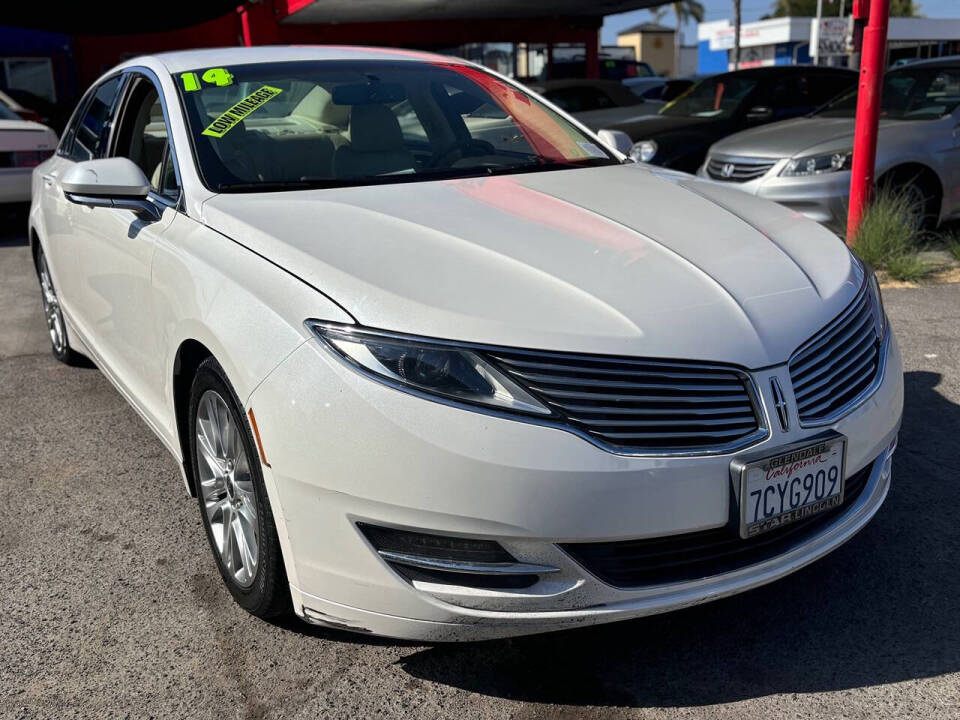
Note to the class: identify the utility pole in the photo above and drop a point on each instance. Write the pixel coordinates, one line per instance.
(872, 65)
(816, 50)
(736, 34)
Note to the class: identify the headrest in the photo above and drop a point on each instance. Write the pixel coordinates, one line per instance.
(336, 115)
(374, 128)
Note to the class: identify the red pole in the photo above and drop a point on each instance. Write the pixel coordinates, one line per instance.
(245, 33)
(593, 54)
(872, 65)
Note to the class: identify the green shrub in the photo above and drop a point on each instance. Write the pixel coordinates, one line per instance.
(888, 230)
(907, 267)
(953, 245)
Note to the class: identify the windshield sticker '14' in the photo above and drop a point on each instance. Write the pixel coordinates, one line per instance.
(232, 117)
(220, 77)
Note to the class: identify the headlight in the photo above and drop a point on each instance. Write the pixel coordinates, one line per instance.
(818, 164)
(425, 366)
(643, 151)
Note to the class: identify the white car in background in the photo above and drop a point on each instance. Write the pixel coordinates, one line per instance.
(23, 145)
(438, 386)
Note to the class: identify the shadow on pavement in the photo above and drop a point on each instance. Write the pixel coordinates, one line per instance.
(13, 224)
(884, 608)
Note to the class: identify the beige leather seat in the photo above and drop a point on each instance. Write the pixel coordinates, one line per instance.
(376, 145)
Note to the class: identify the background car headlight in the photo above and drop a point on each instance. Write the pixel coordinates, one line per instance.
(425, 366)
(644, 151)
(818, 164)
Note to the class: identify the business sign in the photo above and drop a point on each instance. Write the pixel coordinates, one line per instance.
(831, 36)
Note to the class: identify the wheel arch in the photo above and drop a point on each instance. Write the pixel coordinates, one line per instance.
(912, 169)
(35, 247)
(190, 354)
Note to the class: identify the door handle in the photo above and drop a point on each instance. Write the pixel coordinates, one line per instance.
(48, 179)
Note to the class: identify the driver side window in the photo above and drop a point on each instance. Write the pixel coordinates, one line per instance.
(142, 136)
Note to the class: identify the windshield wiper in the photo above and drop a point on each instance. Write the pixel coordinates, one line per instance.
(266, 186)
(315, 183)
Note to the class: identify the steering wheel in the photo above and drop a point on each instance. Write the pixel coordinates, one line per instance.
(466, 148)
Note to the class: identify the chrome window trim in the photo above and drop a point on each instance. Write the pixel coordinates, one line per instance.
(881, 361)
(153, 78)
(553, 421)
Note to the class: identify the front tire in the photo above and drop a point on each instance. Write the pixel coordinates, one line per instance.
(234, 506)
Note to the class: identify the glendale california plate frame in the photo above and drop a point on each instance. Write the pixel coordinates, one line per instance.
(739, 466)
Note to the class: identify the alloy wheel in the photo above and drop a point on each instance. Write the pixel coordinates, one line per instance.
(227, 488)
(51, 309)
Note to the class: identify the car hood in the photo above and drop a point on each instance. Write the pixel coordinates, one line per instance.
(608, 117)
(622, 259)
(651, 127)
(791, 137)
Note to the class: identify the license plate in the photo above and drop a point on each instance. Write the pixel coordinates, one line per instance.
(791, 486)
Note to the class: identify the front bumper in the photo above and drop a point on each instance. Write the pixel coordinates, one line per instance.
(822, 198)
(343, 449)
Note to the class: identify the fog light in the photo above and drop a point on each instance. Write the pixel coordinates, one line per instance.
(444, 560)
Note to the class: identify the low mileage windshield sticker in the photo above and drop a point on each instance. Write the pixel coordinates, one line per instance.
(232, 117)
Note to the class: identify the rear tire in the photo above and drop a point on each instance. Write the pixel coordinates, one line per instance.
(53, 315)
(234, 506)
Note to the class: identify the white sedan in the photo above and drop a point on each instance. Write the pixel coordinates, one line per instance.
(23, 145)
(436, 381)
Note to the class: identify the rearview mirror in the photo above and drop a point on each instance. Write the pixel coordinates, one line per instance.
(616, 139)
(111, 182)
(374, 93)
(760, 113)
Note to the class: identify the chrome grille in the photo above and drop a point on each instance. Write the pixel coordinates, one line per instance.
(839, 364)
(739, 169)
(640, 405)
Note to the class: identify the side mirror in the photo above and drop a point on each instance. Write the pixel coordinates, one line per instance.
(616, 139)
(111, 182)
(760, 113)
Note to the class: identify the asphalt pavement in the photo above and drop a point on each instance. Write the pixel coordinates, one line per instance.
(111, 605)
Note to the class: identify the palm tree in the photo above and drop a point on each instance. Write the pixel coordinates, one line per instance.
(685, 11)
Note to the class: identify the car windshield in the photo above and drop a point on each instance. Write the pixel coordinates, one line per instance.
(908, 94)
(719, 97)
(289, 125)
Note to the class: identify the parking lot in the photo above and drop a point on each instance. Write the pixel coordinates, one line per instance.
(112, 605)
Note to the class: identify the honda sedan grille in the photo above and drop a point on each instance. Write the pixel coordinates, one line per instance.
(636, 405)
(739, 170)
(839, 364)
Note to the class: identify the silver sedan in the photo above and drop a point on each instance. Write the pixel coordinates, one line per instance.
(805, 163)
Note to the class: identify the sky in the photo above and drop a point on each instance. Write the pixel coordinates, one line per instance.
(752, 10)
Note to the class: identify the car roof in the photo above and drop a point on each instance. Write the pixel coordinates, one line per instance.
(764, 72)
(579, 82)
(183, 60)
(949, 61)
